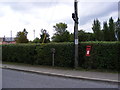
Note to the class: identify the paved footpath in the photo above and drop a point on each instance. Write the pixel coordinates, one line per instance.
(86, 75)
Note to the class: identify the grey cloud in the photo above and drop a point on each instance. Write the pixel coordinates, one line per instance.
(111, 8)
(26, 6)
(66, 20)
(16, 6)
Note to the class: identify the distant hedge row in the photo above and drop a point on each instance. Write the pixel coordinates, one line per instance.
(104, 55)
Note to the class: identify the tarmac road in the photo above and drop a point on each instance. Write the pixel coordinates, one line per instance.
(19, 79)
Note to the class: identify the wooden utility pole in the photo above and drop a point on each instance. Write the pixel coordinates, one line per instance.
(75, 18)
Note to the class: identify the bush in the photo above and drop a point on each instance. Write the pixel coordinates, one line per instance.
(21, 53)
(63, 54)
(103, 55)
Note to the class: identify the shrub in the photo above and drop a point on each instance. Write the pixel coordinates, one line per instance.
(63, 54)
(103, 55)
(22, 53)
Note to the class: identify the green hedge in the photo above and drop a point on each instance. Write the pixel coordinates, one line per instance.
(64, 54)
(21, 53)
(104, 55)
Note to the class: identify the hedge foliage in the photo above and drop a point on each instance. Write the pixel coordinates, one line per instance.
(20, 53)
(104, 55)
(63, 54)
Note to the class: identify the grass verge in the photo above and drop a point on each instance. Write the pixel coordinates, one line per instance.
(62, 68)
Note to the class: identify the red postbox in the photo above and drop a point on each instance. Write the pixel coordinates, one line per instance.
(88, 48)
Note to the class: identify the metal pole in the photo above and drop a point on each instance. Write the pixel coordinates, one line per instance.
(76, 34)
(34, 33)
(11, 35)
(53, 60)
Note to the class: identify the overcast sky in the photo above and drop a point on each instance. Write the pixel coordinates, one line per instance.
(35, 15)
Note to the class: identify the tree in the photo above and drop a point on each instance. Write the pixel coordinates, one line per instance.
(117, 31)
(36, 40)
(22, 37)
(112, 29)
(61, 35)
(65, 37)
(60, 28)
(106, 32)
(83, 36)
(97, 30)
(90, 36)
(71, 37)
(44, 36)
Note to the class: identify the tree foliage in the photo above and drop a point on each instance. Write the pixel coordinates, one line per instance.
(60, 28)
(97, 30)
(22, 37)
(36, 40)
(106, 31)
(83, 36)
(61, 34)
(44, 36)
(112, 29)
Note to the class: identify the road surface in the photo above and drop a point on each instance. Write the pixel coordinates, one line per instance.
(19, 79)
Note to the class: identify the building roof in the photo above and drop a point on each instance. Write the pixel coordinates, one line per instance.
(8, 39)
